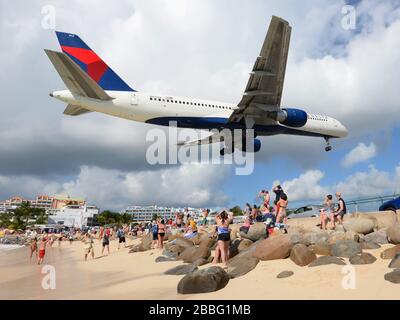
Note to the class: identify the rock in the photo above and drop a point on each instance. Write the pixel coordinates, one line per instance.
(176, 247)
(322, 249)
(182, 269)
(164, 259)
(243, 263)
(345, 248)
(205, 280)
(285, 274)
(379, 237)
(296, 238)
(191, 254)
(336, 236)
(234, 230)
(385, 218)
(200, 262)
(301, 255)
(277, 247)
(369, 245)
(390, 253)
(324, 260)
(393, 276)
(360, 224)
(257, 231)
(146, 241)
(238, 245)
(393, 233)
(363, 258)
(395, 263)
(170, 254)
(315, 237)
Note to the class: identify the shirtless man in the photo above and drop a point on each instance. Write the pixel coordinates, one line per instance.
(42, 249)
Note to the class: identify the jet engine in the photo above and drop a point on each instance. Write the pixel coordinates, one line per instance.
(290, 117)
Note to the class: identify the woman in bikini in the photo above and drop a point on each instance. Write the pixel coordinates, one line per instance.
(282, 205)
(33, 248)
(223, 220)
(161, 233)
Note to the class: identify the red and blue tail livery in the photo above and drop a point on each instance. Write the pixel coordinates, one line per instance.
(91, 63)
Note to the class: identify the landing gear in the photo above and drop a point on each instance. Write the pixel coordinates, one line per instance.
(328, 145)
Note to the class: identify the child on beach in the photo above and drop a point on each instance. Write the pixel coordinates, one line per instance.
(33, 248)
(42, 249)
(88, 246)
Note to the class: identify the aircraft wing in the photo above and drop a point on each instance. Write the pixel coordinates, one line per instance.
(75, 79)
(264, 88)
(214, 137)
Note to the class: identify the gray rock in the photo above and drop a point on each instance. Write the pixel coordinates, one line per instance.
(379, 237)
(164, 259)
(360, 225)
(324, 260)
(369, 245)
(170, 254)
(285, 274)
(205, 280)
(276, 247)
(315, 237)
(393, 276)
(256, 232)
(182, 269)
(243, 263)
(393, 233)
(302, 255)
(322, 249)
(395, 263)
(345, 248)
(239, 245)
(191, 254)
(363, 258)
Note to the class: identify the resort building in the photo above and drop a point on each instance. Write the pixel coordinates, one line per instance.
(42, 202)
(146, 213)
(73, 215)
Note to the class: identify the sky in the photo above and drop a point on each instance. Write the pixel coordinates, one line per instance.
(203, 49)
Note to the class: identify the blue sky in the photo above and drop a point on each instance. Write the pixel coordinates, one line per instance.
(201, 49)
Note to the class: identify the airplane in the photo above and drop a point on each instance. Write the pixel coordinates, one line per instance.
(94, 87)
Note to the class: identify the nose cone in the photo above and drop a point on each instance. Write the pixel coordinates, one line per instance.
(343, 131)
(51, 94)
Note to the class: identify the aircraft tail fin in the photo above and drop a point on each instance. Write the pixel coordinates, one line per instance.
(90, 62)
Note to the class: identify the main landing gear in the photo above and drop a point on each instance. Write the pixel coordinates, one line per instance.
(328, 145)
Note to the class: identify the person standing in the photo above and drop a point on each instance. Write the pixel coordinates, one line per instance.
(278, 192)
(161, 233)
(282, 206)
(223, 220)
(340, 211)
(121, 237)
(106, 243)
(154, 231)
(326, 210)
(33, 248)
(88, 246)
(42, 248)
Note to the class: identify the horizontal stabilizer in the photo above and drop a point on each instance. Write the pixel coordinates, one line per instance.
(76, 80)
(73, 110)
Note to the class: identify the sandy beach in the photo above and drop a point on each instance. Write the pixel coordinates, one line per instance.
(123, 275)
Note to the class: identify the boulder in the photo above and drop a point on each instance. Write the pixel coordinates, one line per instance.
(324, 260)
(182, 269)
(302, 255)
(257, 231)
(395, 263)
(234, 230)
(384, 219)
(277, 247)
(170, 254)
(315, 237)
(393, 233)
(238, 245)
(164, 259)
(363, 258)
(379, 237)
(285, 274)
(345, 248)
(369, 245)
(200, 262)
(336, 236)
(147, 241)
(390, 253)
(243, 262)
(360, 225)
(205, 280)
(193, 253)
(177, 246)
(393, 276)
(322, 249)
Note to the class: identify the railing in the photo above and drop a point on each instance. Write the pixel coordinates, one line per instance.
(379, 199)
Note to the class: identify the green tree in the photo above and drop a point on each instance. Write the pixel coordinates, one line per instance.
(6, 219)
(126, 218)
(109, 217)
(237, 211)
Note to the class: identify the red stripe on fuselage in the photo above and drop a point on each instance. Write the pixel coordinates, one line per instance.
(95, 66)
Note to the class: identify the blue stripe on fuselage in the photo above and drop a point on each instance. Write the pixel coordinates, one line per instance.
(220, 123)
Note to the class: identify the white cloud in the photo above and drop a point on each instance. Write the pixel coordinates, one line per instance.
(360, 153)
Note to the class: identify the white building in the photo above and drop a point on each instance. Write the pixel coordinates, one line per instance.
(146, 213)
(73, 215)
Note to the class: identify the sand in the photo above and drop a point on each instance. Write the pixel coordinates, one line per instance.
(123, 275)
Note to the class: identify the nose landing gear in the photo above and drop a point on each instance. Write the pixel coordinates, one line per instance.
(328, 145)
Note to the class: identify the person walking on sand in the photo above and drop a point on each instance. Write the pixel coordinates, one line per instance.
(161, 233)
(121, 237)
(88, 246)
(33, 248)
(106, 243)
(42, 248)
(223, 220)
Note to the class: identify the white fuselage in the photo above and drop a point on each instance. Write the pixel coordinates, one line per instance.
(198, 113)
